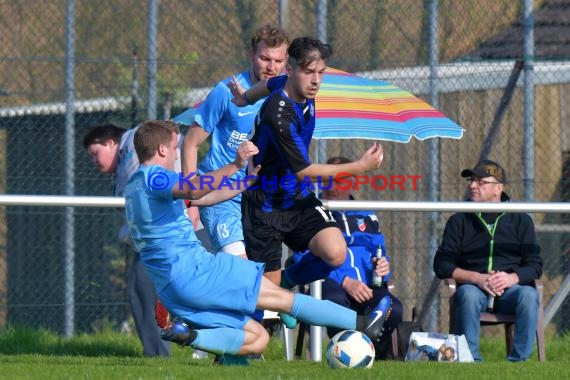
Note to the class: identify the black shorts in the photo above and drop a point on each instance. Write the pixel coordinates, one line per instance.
(264, 232)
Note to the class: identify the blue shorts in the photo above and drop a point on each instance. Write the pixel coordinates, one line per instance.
(220, 291)
(223, 222)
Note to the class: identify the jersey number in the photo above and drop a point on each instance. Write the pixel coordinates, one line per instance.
(326, 214)
(223, 232)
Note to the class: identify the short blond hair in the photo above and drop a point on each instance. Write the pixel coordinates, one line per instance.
(272, 35)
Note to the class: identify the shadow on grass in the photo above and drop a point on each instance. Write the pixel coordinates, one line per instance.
(17, 341)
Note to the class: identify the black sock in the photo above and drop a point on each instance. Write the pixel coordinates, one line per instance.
(361, 322)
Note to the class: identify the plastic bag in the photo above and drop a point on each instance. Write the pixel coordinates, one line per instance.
(426, 346)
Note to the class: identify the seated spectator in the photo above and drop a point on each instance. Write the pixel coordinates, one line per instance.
(350, 285)
(494, 258)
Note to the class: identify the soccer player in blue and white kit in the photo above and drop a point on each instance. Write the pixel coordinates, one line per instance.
(283, 208)
(229, 126)
(215, 294)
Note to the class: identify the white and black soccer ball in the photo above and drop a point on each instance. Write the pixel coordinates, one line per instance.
(350, 349)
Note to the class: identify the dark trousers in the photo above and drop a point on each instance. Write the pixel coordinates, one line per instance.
(142, 298)
(332, 291)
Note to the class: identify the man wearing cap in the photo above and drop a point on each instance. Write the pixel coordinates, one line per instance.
(492, 257)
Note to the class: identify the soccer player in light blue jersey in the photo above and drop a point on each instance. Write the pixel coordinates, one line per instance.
(228, 126)
(215, 294)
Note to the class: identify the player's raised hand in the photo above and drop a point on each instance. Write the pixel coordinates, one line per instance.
(373, 157)
(237, 92)
(246, 150)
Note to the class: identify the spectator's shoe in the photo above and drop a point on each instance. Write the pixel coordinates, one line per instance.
(178, 332)
(288, 320)
(375, 321)
(229, 359)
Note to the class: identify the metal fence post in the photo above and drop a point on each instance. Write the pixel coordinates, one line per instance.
(69, 240)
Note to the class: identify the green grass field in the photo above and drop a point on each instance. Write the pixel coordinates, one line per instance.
(32, 354)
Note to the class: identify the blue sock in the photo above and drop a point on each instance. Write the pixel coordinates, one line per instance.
(317, 312)
(219, 340)
(310, 268)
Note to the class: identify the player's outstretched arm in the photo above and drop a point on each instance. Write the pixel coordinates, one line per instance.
(242, 97)
(194, 138)
(194, 187)
(230, 191)
(370, 160)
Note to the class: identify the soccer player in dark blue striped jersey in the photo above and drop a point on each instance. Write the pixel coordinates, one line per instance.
(281, 206)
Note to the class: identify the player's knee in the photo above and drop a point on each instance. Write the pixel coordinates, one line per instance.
(337, 257)
(261, 341)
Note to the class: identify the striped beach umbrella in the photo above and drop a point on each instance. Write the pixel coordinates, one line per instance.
(353, 107)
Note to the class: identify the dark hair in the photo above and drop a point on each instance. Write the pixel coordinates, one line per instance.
(272, 35)
(102, 133)
(150, 135)
(336, 160)
(305, 50)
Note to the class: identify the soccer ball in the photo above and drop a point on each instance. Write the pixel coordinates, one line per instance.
(350, 349)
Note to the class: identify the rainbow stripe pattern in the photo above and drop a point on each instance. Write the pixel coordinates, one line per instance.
(349, 106)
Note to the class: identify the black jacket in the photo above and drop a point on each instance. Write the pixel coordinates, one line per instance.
(466, 244)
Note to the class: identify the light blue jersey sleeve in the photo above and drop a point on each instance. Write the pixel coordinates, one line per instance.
(227, 124)
(211, 111)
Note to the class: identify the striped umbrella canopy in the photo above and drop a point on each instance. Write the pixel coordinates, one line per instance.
(353, 107)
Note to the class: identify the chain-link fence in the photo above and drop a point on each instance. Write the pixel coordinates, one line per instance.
(125, 60)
